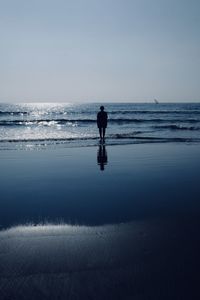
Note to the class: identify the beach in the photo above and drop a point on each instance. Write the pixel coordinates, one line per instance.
(71, 229)
(99, 150)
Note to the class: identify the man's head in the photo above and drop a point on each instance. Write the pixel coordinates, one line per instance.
(102, 108)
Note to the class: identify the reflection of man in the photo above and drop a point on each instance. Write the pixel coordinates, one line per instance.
(102, 158)
(102, 118)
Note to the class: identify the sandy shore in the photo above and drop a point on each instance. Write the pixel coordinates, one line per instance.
(148, 195)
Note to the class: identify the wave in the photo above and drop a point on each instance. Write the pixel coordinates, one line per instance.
(126, 136)
(177, 127)
(13, 113)
(114, 112)
(47, 122)
(151, 120)
(168, 112)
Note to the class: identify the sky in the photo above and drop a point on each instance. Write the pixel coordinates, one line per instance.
(99, 50)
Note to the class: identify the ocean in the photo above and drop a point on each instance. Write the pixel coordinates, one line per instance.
(33, 125)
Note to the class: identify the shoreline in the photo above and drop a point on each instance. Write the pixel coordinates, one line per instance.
(52, 143)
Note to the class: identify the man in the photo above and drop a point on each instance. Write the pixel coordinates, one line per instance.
(102, 118)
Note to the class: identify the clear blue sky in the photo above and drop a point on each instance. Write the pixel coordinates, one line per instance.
(99, 50)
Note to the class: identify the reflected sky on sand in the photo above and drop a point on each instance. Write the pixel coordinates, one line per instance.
(139, 182)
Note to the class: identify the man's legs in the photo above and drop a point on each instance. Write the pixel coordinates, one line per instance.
(100, 132)
(104, 132)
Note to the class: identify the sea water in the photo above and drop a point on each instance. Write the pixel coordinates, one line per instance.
(42, 124)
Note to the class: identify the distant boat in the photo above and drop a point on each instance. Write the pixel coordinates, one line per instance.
(156, 101)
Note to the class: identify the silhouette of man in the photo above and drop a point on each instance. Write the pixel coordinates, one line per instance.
(102, 118)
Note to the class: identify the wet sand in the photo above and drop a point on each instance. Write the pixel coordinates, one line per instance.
(72, 231)
(138, 260)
